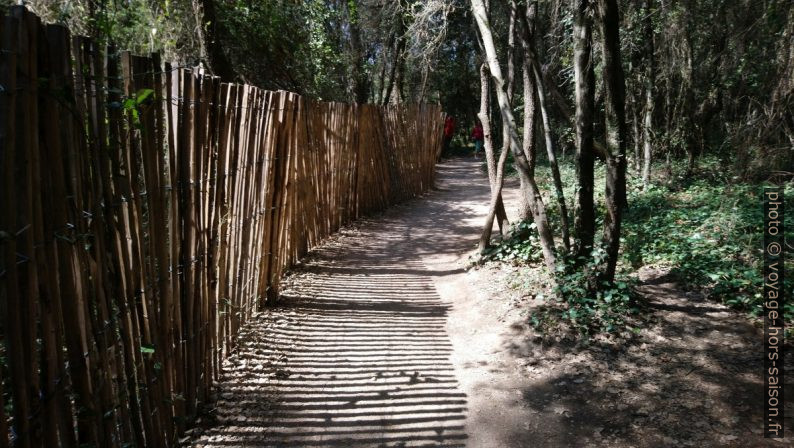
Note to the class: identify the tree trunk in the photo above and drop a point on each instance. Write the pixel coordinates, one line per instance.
(689, 95)
(530, 54)
(525, 209)
(382, 80)
(649, 86)
(549, 139)
(400, 81)
(485, 119)
(522, 165)
(219, 64)
(496, 201)
(615, 114)
(398, 49)
(511, 45)
(584, 209)
(636, 131)
(529, 143)
(492, 166)
(534, 199)
(360, 79)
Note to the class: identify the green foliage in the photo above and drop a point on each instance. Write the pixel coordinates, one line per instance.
(522, 247)
(590, 307)
(585, 306)
(134, 104)
(706, 229)
(141, 26)
(147, 349)
(709, 234)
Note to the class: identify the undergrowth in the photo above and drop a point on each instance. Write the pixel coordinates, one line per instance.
(706, 229)
(710, 236)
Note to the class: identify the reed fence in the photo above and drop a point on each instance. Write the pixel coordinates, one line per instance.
(147, 211)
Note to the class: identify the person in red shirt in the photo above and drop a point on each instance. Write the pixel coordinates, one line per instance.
(478, 137)
(449, 131)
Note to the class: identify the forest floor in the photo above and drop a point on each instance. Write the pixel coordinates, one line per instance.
(386, 337)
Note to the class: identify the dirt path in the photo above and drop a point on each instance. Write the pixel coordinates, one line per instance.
(384, 339)
(359, 353)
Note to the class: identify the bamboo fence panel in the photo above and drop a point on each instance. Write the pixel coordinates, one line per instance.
(148, 211)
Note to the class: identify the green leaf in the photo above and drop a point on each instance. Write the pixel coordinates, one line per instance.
(142, 95)
(147, 349)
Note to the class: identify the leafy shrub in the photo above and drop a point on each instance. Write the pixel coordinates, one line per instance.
(709, 234)
(522, 247)
(707, 229)
(594, 308)
(586, 307)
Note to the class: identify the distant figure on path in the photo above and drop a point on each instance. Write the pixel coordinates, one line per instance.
(478, 137)
(449, 131)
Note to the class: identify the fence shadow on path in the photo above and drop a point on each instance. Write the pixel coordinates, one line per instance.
(365, 363)
(356, 353)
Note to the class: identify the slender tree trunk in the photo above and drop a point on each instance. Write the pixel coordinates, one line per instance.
(423, 88)
(615, 95)
(485, 120)
(398, 49)
(584, 79)
(522, 165)
(525, 210)
(649, 86)
(550, 152)
(534, 199)
(636, 131)
(496, 196)
(495, 170)
(400, 82)
(511, 45)
(530, 54)
(689, 94)
(382, 83)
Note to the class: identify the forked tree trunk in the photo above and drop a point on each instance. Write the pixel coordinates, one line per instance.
(584, 76)
(522, 165)
(382, 79)
(496, 196)
(615, 92)
(398, 49)
(485, 114)
(490, 160)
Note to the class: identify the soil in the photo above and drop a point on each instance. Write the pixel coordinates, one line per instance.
(387, 337)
